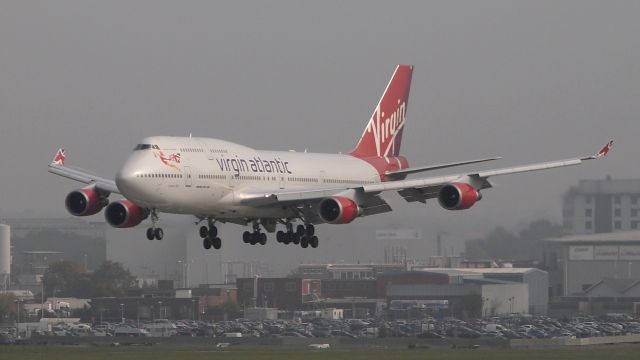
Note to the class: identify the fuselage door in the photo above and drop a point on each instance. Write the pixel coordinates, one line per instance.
(187, 176)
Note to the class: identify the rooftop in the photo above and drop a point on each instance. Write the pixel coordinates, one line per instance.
(615, 237)
(480, 271)
(607, 186)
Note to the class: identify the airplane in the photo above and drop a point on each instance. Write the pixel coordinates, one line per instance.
(223, 182)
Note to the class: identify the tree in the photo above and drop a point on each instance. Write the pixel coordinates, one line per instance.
(62, 277)
(503, 244)
(67, 278)
(7, 307)
(111, 279)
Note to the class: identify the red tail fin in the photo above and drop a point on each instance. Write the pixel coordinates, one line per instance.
(383, 134)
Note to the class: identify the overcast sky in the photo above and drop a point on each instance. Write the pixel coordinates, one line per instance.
(526, 80)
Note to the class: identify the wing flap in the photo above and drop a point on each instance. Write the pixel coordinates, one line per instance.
(265, 197)
(414, 170)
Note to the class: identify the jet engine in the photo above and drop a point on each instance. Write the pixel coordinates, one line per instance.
(124, 214)
(86, 201)
(458, 196)
(338, 210)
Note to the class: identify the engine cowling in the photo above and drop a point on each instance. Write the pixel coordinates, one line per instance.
(338, 210)
(124, 214)
(86, 201)
(458, 196)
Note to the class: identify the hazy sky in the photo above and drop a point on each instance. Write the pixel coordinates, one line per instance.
(526, 80)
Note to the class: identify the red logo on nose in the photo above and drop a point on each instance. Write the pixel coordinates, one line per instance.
(170, 160)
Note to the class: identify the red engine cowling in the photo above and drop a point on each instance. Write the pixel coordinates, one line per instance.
(458, 196)
(86, 201)
(338, 210)
(124, 214)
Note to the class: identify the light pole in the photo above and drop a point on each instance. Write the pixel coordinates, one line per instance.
(181, 268)
(18, 308)
(18, 323)
(484, 307)
(122, 312)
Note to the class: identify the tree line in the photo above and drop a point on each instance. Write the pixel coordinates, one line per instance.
(503, 244)
(70, 279)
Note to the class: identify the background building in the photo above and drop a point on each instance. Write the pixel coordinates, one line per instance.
(347, 271)
(536, 281)
(601, 206)
(578, 262)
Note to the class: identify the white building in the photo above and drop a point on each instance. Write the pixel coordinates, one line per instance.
(601, 206)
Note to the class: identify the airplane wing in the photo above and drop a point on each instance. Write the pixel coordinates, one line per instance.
(414, 170)
(411, 190)
(58, 167)
(426, 188)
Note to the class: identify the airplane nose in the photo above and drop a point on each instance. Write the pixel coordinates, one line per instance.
(125, 179)
(127, 176)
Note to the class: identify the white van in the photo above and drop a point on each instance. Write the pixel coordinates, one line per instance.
(495, 327)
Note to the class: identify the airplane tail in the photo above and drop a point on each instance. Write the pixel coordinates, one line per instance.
(383, 134)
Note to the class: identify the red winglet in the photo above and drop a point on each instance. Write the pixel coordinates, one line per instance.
(59, 158)
(604, 151)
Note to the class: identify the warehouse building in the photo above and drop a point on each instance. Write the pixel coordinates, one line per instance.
(578, 262)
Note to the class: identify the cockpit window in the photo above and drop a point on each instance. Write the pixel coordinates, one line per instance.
(146, 146)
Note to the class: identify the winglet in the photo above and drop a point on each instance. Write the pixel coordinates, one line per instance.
(59, 158)
(603, 152)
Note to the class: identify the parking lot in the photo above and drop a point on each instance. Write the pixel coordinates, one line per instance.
(516, 326)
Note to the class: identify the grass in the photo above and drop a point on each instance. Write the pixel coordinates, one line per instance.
(182, 353)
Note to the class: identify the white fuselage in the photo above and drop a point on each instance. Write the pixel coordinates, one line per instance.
(203, 176)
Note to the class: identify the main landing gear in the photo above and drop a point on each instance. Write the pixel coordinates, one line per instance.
(209, 236)
(154, 232)
(304, 235)
(256, 237)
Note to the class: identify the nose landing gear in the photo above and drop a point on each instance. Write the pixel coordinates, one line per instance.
(154, 232)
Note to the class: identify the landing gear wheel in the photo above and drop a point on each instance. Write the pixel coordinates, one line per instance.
(206, 243)
(313, 241)
(295, 238)
(263, 238)
(150, 234)
(287, 238)
(217, 243)
(204, 232)
(280, 236)
(304, 242)
(246, 237)
(159, 233)
(311, 230)
(300, 230)
(213, 231)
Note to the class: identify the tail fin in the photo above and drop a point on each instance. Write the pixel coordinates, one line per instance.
(383, 134)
